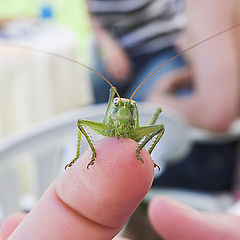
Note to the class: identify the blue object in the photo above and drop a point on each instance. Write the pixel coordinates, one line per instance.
(46, 12)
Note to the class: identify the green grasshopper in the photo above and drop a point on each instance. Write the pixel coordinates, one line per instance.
(121, 120)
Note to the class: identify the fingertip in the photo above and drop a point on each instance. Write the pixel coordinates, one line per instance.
(122, 157)
(164, 208)
(156, 210)
(117, 180)
(165, 205)
(167, 217)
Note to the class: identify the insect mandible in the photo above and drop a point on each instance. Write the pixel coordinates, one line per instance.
(121, 118)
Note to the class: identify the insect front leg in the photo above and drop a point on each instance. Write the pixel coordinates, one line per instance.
(110, 101)
(155, 117)
(97, 127)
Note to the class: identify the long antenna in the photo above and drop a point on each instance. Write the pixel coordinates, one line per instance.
(62, 57)
(182, 53)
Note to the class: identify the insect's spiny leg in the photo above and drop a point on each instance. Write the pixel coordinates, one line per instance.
(110, 101)
(156, 140)
(158, 132)
(155, 117)
(80, 123)
(78, 151)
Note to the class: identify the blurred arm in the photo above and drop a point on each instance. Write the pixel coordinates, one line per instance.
(101, 35)
(116, 60)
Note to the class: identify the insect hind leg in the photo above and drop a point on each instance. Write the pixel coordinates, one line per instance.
(158, 132)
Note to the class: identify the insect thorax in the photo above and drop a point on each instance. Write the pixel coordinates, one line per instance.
(123, 115)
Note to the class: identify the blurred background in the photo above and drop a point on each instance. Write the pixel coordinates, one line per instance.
(42, 95)
(53, 26)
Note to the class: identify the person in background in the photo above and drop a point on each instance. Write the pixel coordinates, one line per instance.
(131, 39)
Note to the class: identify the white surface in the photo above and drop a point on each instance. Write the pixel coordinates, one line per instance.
(235, 209)
(34, 86)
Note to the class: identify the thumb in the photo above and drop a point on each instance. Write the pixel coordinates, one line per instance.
(91, 203)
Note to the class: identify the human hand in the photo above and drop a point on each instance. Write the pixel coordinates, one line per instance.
(170, 84)
(89, 203)
(173, 220)
(116, 60)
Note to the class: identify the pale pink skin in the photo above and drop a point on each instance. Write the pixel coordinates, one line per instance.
(92, 203)
(173, 220)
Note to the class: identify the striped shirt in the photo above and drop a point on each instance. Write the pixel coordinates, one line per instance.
(140, 26)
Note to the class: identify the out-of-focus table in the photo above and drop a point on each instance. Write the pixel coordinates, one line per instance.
(35, 86)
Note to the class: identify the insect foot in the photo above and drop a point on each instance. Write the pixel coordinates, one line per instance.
(71, 163)
(138, 155)
(157, 166)
(140, 159)
(67, 166)
(90, 163)
(92, 160)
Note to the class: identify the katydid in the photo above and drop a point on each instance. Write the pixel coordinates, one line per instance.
(121, 118)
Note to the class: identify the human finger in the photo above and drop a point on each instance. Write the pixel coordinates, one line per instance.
(91, 203)
(173, 220)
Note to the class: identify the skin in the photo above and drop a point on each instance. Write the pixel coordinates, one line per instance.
(165, 215)
(212, 69)
(91, 203)
(173, 220)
